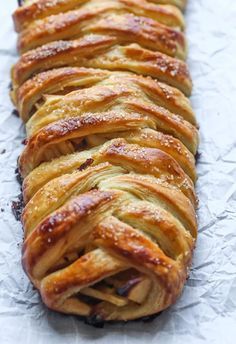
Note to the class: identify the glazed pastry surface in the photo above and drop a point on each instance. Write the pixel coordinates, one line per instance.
(108, 168)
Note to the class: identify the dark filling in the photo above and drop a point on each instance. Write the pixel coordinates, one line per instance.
(20, 3)
(17, 207)
(125, 289)
(15, 113)
(18, 176)
(197, 157)
(80, 145)
(86, 164)
(88, 299)
(95, 320)
(149, 318)
(24, 142)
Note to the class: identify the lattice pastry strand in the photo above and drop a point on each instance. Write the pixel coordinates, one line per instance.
(108, 168)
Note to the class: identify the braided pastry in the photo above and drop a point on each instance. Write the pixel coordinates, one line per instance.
(108, 169)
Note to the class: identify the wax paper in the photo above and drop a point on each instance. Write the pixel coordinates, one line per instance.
(206, 311)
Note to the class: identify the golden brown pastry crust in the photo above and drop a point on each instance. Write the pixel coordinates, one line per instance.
(63, 80)
(108, 56)
(108, 168)
(169, 15)
(124, 28)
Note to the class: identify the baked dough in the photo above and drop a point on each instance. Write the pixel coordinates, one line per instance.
(108, 168)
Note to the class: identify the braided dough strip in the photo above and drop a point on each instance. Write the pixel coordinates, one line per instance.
(26, 15)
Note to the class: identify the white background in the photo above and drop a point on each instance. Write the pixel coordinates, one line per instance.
(206, 312)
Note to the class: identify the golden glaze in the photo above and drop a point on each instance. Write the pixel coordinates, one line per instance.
(26, 15)
(108, 168)
(81, 52)
(103, 19)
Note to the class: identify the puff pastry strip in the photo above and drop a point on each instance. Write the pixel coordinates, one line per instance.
(24, 16)
(108, 56)
(124, 27)
(108, 168)
(63, 80)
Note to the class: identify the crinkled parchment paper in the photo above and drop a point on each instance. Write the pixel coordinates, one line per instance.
(206, 311)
